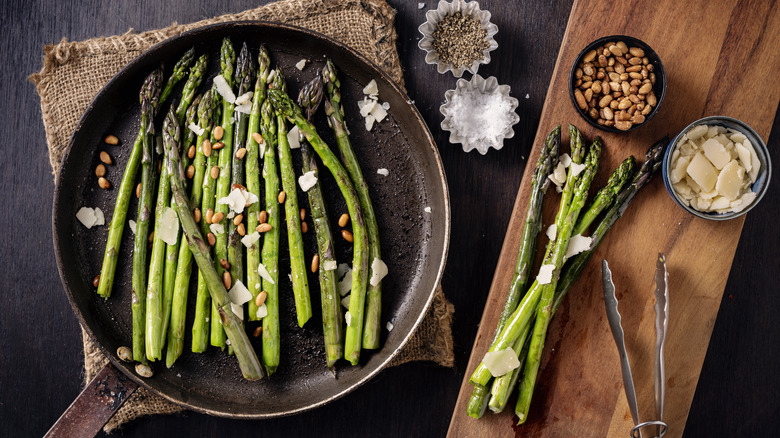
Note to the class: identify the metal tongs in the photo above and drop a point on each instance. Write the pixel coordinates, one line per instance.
(661, 322)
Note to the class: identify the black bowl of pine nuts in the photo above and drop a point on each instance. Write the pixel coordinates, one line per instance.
(617, 83)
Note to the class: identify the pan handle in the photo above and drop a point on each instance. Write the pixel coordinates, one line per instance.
(96, 404)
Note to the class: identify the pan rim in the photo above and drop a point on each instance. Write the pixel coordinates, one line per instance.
(59, 192)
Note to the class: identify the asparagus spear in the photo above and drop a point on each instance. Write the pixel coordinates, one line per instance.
(172, 251)
(300, 281)
(179, 70)
(184, 261)
(548, 158)
(354, 317)
(608, 193)
(150, 92)
(309, 99)
(270, 254)
(117, 226)
(247, 359)
(244, 77)
(335, 112)
(253, 177)
(227, 59)
(544, 308)
(201, 326)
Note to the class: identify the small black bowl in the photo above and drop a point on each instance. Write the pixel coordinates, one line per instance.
(660, 78)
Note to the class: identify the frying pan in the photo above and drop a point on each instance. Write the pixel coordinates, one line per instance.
(414, 238)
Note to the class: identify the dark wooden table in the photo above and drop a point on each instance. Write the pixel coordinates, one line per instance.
(41, 363)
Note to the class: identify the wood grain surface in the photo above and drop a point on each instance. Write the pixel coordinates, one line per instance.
(41, 363)
(580, 391)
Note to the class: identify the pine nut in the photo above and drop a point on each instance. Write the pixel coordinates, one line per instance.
(206, 146)
(343, 220)
(580, 99)
(212, 240)
(224, 263)
(191, 152)
(241, 230)
(227, 280)
(315, 263)
(257, 138)
(240, 153)
(217, 218)
(124, 354)
(96, 281)
(196, 214)
(263, 228)
(100, 170)
(262, 217)
(237, 186)
(304, 227)
(209, 216)
(258, 331)
(151, 236)
(138, 190)
(103, 183)
(281, 197)
(105, 158)
(215, 172)
(112, 140)
(144, 370)
(303, 214)
(590, 56)
(347, 236)
(238, 219)
(190, 171)
(218, 145)
(218, 133)
(260, 298)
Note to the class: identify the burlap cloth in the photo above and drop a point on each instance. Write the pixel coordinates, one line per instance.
(74, 72)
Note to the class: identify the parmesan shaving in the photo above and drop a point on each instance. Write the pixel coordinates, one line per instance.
(263, 272)
(245, 108)
(238, 310)
(217, 229)
(100, 219)
(342, 270)
(378, 271)
(224, 89)
(250, 239)
(427, 209)
(348, 318)
(196, 129)
(293, 137)
(245, 98)
(307, 180)
(131, 223)
(86, 216)
(345, 285)
(389, 326)
(300, 64)
(262, 311)
(345, 301)
(328, 265)
(552, 231)
(545, 274)
(577, 244)
(576, 169)
(565, 159)
(239, 294)
(501, 362)
(169, 226)
(383, 171)
(371, 88)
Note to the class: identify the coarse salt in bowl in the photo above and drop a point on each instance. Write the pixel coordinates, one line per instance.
(436, 16)
(479, 114)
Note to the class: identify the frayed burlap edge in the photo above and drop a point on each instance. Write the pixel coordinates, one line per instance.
(433, 339)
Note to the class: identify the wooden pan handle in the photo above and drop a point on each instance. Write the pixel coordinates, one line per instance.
(96, 404)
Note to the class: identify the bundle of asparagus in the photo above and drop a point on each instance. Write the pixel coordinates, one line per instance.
(523, 323)
(214, 143)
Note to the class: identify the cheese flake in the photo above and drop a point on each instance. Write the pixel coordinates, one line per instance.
(245, 98)
(300, 64)
(348, 318)
(501, 362)
(328, 265)
(383, 171)
(565, 159)
(293, 137)
(378, 271)
(545, 274)
(196, 129)
(345, 301)
(169, 226)
(307, 180)
(245, 108)
(131, 223)
(371, 88)
(86, 216)
(345, 285)
(238, 310)
(263, 272)
(250, 239)
(576, 169)
(239, 294)
(217, 229)
(552, 231)
(100, 219)
(262, 311)
(389, 326)
(427, 209)
(224, 89)
(577, 244)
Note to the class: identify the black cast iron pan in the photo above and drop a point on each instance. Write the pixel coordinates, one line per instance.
(414, 241)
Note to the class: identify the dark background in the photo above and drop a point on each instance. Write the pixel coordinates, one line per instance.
(41, 362)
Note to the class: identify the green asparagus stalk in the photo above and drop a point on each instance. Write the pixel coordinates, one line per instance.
(247, 359)
(544, 308)
(335, 112)
(126, 187)
(309, 99)
(354, 317)
(300, 281)
(253, 178)
(179, 70)
(270, 254)
(201, 326)
(244, 78)
(608, 193)
(149, 95)
(227, 59)
(172, 251)
(184, 256)
(502, 385)
(548, 157)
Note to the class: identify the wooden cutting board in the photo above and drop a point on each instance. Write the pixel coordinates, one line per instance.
(721, 58)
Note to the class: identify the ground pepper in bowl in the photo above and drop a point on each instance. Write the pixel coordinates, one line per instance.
(460, 39)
